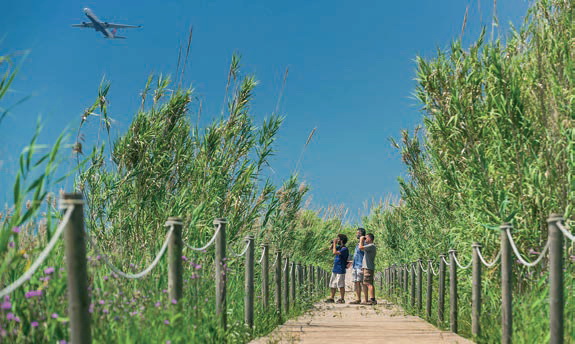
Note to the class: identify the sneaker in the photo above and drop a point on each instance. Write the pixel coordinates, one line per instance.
(329, 301)
(356, 302)
(373, 301)
(340, 301)
(369, 303)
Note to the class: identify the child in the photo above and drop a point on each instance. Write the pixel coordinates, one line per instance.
(337, 280)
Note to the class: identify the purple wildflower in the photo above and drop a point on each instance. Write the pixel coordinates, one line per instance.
(101, 302)
(10, 316)
(167, 322)
(164, 291)
(533, 252)
(54, 315)
(6, 305)
(16, 230)
(11, 244)
(158, 304)
(184, 258)
(62, 342)
(106, 278)
(49, 270)
(105, 311)
(198, 267)
(174, 301)
(33, 293)
(34, 324)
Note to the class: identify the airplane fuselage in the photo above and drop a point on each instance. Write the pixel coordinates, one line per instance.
(97, 23)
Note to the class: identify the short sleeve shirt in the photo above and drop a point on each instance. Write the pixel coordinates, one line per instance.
(357, 258)
(340, 260)
(369, 251)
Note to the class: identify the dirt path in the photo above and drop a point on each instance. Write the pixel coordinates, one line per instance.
(345, 323)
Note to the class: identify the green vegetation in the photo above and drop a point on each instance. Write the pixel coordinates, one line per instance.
(498, 145)
(163, 166)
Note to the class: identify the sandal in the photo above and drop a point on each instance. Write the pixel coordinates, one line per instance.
(340, 301)
(329, 301)
(356, 302)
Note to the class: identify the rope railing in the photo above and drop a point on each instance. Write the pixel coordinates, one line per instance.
(42, 256)
(275, 261)
(421, 267)
(554, 249)
(77, 237)
(518, 254)
(435, 273)
(262, 257)
(459, 264)
(565, 231)
(140, 274)
(482, 259)
(206, 246)
(237, 255)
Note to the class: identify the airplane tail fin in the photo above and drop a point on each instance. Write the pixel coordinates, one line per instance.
(114, 33)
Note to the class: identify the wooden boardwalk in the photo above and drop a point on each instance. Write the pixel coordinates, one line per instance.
(345, 323)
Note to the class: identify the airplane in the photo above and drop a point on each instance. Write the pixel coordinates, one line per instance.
(103, 27)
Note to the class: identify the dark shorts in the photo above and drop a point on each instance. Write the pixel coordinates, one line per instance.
(367, 276)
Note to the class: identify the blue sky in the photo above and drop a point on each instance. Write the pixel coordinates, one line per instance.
(351, 70)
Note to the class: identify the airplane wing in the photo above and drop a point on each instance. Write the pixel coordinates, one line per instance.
(90, 25)
(119, 26)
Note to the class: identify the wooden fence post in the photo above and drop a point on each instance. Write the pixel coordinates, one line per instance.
(175, 269)
(278, 281)
(506, 284)
(220, 263)
(401, 272)
(476, 292)
(265, 277)
(555, 238)
(412, 285)
(419, 285)
(312, 279)
(389, 280)
(286, 285)
(249, 284)
(429, 288)
(305, 284)
(395, 279)
(405, 282)
(300, 280)
(441, 288)
(293, 283)
(452, 291)
(75, 248)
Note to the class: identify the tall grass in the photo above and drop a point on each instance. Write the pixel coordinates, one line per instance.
(497, 145)
(163, 165)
